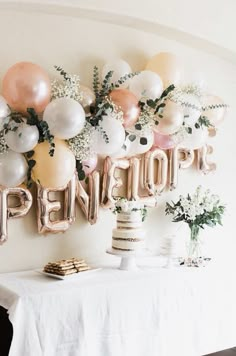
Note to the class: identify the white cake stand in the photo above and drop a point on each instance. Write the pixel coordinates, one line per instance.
(128, 258)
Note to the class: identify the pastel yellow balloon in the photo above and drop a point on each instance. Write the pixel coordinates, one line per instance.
(56, 171)
(167, 66)
(173, 116)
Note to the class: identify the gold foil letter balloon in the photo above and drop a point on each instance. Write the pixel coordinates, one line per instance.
(7, 212)
(155, 187)
(202, 159)
(53, 172)
(178, 158)
(26, 85)
(46, 206)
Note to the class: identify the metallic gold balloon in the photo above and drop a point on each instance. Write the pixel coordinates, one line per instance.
(94, 195)
(69, 202)
(167, 66)
(133, 179)
(45, 206)
(88, 98)
(83, 198)
(155, 187)
(110, 181)
(7, 212)
(172, 120)
(128, 103)
(26, 85)
(178, 158)
(202, 159)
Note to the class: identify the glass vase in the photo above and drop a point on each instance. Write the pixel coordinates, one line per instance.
(194, 251)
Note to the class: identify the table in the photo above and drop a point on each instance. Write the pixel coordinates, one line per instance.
(153, 311)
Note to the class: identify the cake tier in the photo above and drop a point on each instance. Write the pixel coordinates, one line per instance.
(129, 233)
(128, 244)
(129, 220)
(128, 240)
(133, 216)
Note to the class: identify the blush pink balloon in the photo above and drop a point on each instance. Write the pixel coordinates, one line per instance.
(164, 142)
(26, 85)
(128, 104)
(90, 164)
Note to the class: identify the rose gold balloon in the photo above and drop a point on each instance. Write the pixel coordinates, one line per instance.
(164, 142)
(26, 85)
(214, 109)
(172, 119)
(128, 104)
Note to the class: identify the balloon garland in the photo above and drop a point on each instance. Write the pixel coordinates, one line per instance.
(49, 130)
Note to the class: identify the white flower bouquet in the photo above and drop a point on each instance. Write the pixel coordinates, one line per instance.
(198, 210)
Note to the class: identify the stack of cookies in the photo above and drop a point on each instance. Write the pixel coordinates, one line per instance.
(66, 267)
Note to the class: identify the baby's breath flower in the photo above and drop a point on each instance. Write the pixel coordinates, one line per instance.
(3, 144)
(81, 144)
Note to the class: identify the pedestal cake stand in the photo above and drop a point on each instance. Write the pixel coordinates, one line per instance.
(128, 258)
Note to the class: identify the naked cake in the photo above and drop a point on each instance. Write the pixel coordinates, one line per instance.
(129, 234)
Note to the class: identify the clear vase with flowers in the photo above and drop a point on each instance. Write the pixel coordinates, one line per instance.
(197, 210)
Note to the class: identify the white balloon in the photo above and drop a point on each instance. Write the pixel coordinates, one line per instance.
(4, 111)
(146, 84)
(115, 133)
(192, 108)
(13, 169)
(136, 148)
(196, 139)
(119, 67)
(24, 139)
(65, 117)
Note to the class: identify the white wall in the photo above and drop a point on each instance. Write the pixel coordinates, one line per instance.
(77, 43)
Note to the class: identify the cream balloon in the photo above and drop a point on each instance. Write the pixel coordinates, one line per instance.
(56, 171)
(24, 139)
(196, 139)
(13, 169)
(167, 66)
(4, 111)
(65, 117)
(115, 133)
(172, 119)
(146, 84)
(214, 109)
(88, 97)
(119, 68)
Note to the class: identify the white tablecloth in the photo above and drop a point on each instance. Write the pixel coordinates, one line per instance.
(153, 311)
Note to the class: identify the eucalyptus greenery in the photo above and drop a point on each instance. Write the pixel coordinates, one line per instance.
(13, 122)
(102, 104)
(151, 114)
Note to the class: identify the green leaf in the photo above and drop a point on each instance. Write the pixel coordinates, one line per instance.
(138, 127)
(143, 141)
(132, 138)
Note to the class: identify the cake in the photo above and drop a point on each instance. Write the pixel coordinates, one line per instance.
(128, 234)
